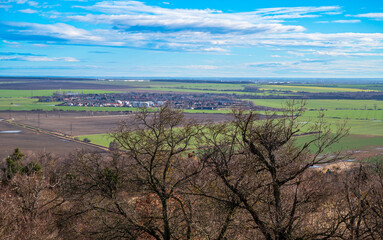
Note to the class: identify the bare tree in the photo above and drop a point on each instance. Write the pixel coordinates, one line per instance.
(158, 147)
(136, 193)
(259, 163)
(358, 203)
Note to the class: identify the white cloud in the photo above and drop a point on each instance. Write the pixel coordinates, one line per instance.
(17, 1)
(300, 54)
(9, 42)
(137, 16)
(58, 30)
(340, 21)
(40, 45)
(215, 49)
(347, 54)
(33, 3)
(38, 59)
(199, 41)
(370, 15)
(297, 12)
(318, 67)
(347, 21)
(137, 25)
(201, 67)
(6, 7)
(28, 10)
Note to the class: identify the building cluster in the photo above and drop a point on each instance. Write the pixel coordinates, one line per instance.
(205, 101)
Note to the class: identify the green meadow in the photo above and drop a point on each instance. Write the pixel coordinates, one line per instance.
(376, 87)
(33, 93)
(99, 139)
(29, 104)
(324, 103)
(350, 142)
(364, 117)
(314, 89)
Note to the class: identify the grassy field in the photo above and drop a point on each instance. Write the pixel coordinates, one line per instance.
(376, 115)
(99, 139)
(217, 87)
(324, 103)
(32, 93)
(376, 87)
(216, 91)
(365, 117)
(28, 104)
(318, 89)
(350, 142)
(239, 88)
(178, 85)
(357, 127)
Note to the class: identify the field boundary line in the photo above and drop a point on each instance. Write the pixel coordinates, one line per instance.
(55, 134)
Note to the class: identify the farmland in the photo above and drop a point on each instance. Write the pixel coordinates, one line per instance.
(32, 142)
(364, 117)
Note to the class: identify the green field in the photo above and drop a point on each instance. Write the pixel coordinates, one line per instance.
(362, 134)
(377, 87)
(317, 89)
(202, 90)
(28, 104)
(323, 103)
(32, 93)
(99, 139)
(365, 117)
(350, 142)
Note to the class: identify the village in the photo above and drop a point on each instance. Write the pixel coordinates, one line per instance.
(197, 101)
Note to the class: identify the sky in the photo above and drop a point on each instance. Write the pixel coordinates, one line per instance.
(199, 38)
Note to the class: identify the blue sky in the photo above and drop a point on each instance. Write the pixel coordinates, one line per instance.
(174, 38)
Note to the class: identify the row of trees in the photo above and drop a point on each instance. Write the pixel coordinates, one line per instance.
(173, 178)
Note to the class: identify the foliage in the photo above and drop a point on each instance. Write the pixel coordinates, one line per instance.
(14, 166)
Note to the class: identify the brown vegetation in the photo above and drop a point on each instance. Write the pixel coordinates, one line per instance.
(241, 180)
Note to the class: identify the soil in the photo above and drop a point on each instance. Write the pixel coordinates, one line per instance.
(31, 142)
(85, 123)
